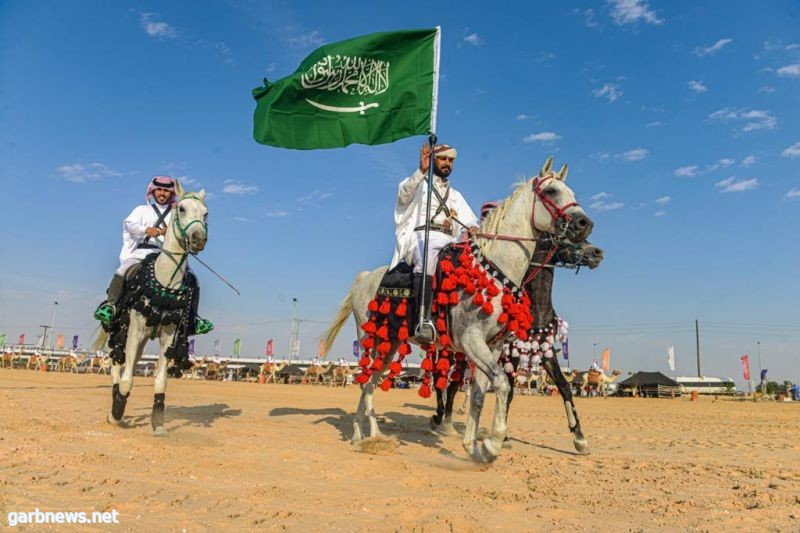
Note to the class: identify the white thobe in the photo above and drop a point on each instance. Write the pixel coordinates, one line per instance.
(133, 234)
(409, 213)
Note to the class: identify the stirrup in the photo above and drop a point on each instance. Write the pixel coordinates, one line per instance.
(202, 326)
(425, 332)
(105, 313)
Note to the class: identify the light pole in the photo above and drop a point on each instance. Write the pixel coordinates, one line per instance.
(292, 333)
(594, 349)
(52, 325)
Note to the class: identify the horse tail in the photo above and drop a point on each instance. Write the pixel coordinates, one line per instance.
(100, 339)
(345, 310)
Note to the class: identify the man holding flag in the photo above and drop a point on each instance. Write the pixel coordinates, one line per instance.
(375, 89)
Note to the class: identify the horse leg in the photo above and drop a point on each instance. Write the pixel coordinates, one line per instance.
(442, 421)
(467, 395)
(477, 396)
(554, 371)
(369, 403)
(122, 388)
(359, 416)
(160, 384)
(486, 361)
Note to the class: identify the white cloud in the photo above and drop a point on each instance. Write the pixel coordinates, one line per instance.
(697, 86)
(606, 206)
(81, 173)
(237, 187)
(749, 160)
(156, 29)
(792, 47)
(314, 196)
(543, 57)
(637, 154)
(545, 136)
(600, 196)
(632, 11)
(307, 40)
(792, 151)
(722, 163)
(753, 119)
(600, 156)
(660, 213)
(271, 213)
(186, 181)
(654, 124)
(474, 39)
(240, 219)
(702, 51)
(790, 71)
(610, 91)
(664, 200)
(793, 193)
(523, 116)
(732, 185)
(588, 20)
(766, 89)
(689, 171)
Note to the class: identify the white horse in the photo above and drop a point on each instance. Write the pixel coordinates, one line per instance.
(187, 233)
(541, 204)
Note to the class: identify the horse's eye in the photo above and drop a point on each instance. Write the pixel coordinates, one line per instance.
(181, 209)
(550, 191)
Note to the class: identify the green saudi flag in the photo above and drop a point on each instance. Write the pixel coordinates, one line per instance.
(237, 347)
(3, 340)
(373, 89)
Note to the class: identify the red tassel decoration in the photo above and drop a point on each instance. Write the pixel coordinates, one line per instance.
(377, 364)
(404, 349)
(441, 383)
(455, 377)
(369, 327)
(383, 331)
(503, 318)
(373, 305)
(427, 364)
(492, 290)
(444, 340)
(441, 325)
(402, 333)
(401, 308)
(424, 391)
(386, 385)
(385, 307)
(384, 347)
(443, 364)
(453, 298)
(488, 308)
(368, 343)
(469, 288)
(442, 298)
(364, 362)
(362, 378)
(395, 367)
(478, 299)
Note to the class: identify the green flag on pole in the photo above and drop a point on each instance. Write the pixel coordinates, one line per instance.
(237, 347)
(2, 340)
(373, 89)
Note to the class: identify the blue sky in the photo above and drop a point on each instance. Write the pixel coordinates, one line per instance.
(679, 122)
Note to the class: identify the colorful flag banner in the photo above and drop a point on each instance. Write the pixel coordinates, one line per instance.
(321, 350)
(237, 347)
(671, 357)
(191, 348)
(60, 341)
(2, 340)
(356, 349)
(763, 374)
(295, 348)
(21, 339)
(745, 367)
(372, 89)
(269, 348)
(606, 359)
(565, 349)
(217, 346)
(75, 342)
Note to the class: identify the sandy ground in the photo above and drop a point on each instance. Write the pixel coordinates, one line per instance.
(243, 456)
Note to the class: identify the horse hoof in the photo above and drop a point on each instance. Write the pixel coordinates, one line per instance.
(581, 446)
(113, 421)
(489, 453)
(160, 432)
(506, 443)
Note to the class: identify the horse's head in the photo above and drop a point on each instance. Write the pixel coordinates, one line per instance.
(190, 216)
(554, 207)
(577, 254)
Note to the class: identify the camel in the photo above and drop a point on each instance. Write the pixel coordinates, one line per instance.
(339, 375)
(270, 371)
(315, 374)
(598, 381)
(216, 371)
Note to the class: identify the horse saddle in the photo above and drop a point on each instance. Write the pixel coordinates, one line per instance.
(399, 291)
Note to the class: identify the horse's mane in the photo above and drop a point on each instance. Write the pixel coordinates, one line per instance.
(491, 223)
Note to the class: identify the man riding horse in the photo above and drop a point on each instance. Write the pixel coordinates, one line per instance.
(450, 216)
(140, 237)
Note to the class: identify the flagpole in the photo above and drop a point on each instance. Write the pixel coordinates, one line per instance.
(425, 326)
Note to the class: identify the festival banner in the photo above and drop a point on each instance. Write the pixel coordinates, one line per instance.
(606, 359)
(356, 349)
(295, 350)
(191, 348)
(60, 341)
(745, 367)
(565, 350)
(372, 89)
(2, 340)
(217, 345)
(21, 339)
(763, 374)
(75, 342)
(237, 347)
(268, 351)
(671, 357)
